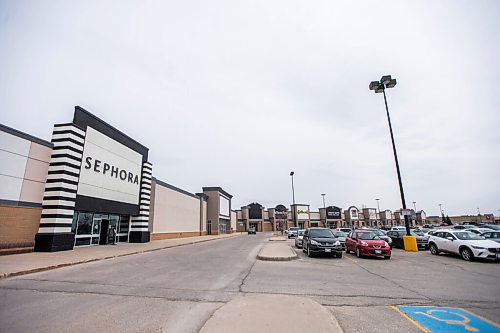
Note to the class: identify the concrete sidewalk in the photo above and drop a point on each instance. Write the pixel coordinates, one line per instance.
(277, 251)
(271, 313)
(26, 263)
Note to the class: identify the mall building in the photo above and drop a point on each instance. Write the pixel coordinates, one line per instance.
(93, 185)
(256, 216)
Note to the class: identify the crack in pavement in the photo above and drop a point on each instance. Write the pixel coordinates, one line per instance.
(242, 283)
(173, 299)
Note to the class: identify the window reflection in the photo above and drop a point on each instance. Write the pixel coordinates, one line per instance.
(84, 224)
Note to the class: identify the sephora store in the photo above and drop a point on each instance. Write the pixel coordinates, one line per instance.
(98, 187)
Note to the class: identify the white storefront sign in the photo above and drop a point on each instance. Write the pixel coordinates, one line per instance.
(109, 169)
(224, 205)
(303, 212)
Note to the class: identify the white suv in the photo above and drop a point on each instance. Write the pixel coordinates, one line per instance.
(467, 244)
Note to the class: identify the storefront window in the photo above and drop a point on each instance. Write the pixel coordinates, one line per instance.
(97, 223)
(113, 222)
(84, 224)
(123, 226)
(73, 224)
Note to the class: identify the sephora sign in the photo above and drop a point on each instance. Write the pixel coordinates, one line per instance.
(109, 170)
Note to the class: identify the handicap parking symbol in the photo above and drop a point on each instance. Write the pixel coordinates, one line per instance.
(436, 319)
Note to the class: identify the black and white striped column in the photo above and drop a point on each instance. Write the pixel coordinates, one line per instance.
(139, 225)
(58, 206)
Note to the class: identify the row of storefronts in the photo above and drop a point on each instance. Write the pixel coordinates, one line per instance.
(299, 215)
(93, 185)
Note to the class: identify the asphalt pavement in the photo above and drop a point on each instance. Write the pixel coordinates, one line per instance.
(179, 289)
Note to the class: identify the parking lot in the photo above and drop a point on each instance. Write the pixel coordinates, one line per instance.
(370, 286)
(179, 288)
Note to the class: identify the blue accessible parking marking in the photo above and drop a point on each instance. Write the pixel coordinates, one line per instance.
(436, 319)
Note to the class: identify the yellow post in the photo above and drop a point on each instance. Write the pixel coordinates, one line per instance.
(410, 243)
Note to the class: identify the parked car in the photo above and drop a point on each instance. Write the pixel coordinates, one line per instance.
(423, 231)
(492, 235)
(341, 237)
(292, 232)
(467, 244)
(321, 240)
(492, 226)
(398, 228)
(252, 230)
(398, 242)
(462, 227)
(344, 229)
(381, 234)
(299, 238)
(478, 231)
(367, 243)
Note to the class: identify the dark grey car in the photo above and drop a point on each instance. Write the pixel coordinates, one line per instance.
(321, 241)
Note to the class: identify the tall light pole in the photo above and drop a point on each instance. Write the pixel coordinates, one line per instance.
(415, 207)
(379, 87)
(293, 198)
(442, 214)
(324, 207)
(378, 207)
(479, 213)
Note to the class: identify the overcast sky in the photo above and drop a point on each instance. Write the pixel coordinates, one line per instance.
(239, 93)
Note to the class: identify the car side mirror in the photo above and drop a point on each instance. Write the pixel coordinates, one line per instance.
(450, 238)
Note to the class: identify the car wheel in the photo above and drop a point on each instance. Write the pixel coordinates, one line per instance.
(309, 252)
(466, 254)
(358, 253)
(434, 249)
(339, 255)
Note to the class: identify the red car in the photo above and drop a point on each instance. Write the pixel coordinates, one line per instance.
(367, 243)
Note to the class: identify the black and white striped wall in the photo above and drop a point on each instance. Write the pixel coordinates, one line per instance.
(139, 226)
(58, 206)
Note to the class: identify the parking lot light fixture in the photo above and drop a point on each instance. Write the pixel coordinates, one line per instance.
(293, 200)
(324, 206)
(379, 87)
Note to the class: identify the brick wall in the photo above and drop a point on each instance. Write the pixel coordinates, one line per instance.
(18, 225)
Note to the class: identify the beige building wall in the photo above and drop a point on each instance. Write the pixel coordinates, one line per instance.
(176, 213)
(24, 163)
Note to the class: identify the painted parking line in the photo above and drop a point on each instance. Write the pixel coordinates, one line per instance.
(435, 319)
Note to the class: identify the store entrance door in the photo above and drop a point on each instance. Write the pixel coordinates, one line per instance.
(103, 236)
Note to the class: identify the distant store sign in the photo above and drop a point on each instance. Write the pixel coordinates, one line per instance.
(333, 212)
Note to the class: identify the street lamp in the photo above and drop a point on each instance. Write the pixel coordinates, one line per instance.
(379, 87)
(324, 207)
(293, 198)
(378, 206)
(442, 213)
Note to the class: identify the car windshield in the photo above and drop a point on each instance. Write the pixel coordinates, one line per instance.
(301, 232)
(294, 229)
(326, 233)
(465, 235)
(367, 235)
(339, 234)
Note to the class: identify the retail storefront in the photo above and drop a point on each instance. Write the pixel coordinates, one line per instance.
(98, 187)
(93, 185)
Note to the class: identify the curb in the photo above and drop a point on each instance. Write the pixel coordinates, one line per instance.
(278, 258)
(52, 267)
